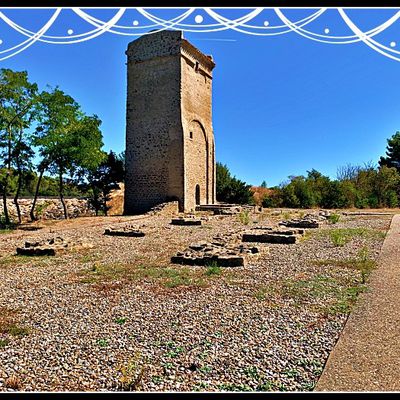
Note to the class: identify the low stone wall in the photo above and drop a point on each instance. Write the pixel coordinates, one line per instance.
(116, 202)
(48, 208)
(168, 209)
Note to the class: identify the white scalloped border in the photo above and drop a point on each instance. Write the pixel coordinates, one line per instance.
(221, 23)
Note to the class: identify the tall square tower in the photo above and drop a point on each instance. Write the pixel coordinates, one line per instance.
(170, 151)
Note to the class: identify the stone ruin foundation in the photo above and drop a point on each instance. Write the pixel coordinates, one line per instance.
(306, 222)
(227, 209)
(187, 221)
(233, 249)
(203, 254)
(51, 247)
(127, 231)
(270, 235)
(167, 208)
(226, 250)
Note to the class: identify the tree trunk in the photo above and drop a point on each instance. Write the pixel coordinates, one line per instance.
(62, 197)
(105, 197)
(5, 185)
(19, 171)
(17, 193)
(32, 212)
(5, 209)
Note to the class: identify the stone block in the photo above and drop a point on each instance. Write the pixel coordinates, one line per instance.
(36, 251)
(230, 261)
(307, 224)
(124, 232)
(51, 247)
(186, 221)
(269, 238)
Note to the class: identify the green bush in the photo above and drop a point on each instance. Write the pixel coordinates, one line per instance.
(4, 225)
(338, 237)
(356, 186)
(213, 269)
(272, 201)
(391, 199)
(333, 218)
(230, 189)
(365, 264)
(244, 217)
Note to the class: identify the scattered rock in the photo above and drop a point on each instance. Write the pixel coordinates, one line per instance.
(168, 208)
(228, 209)
(50, 247)
(185, 221)
(269, 238)
(270, 235)
(223, 253)
(308, 221)
(129, 231)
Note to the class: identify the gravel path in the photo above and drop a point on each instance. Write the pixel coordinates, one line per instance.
(367, 355)
(121, 317)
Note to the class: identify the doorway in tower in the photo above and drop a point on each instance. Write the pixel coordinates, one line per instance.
(197, 195)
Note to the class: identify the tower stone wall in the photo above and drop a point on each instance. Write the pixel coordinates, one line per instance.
(170, 152)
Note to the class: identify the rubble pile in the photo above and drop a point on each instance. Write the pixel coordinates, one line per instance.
(51, 247)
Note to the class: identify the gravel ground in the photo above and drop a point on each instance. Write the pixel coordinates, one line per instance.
(121, 317)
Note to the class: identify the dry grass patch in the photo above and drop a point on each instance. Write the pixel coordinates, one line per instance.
(363, 263)
(13, 382)
(166, 276)
(18, 261)
(9, 324)
(133, 373)
(341, 236)
(322, 293)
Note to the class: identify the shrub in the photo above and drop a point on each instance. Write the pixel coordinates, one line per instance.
(132, 373)
(365, 264)
(213, 269)
(391, 199)
(333, 218)
(4, 225)
(338, 237)
(244, 217)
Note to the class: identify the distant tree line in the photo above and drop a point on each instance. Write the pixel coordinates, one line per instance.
(49, 146)
(367, 186)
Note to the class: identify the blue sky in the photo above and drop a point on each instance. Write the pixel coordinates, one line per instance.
(282, 104)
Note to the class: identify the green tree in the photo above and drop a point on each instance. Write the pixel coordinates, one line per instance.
(298, 193)
(386, 186)
(69, 141)
(392, 158)
(18, 101)
(230, 189)
(103, 179)
(273, 199)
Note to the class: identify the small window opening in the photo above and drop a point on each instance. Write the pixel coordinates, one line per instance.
(197, 195)
(191, 135)
(196, 67)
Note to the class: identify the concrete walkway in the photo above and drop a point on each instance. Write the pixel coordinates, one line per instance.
(367, 354)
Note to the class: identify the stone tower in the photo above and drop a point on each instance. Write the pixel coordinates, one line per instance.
(170, 152)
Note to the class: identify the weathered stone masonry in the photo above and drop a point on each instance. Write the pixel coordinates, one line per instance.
(170, 151)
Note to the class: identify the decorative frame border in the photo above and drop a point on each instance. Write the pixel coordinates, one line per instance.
(242, 24)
